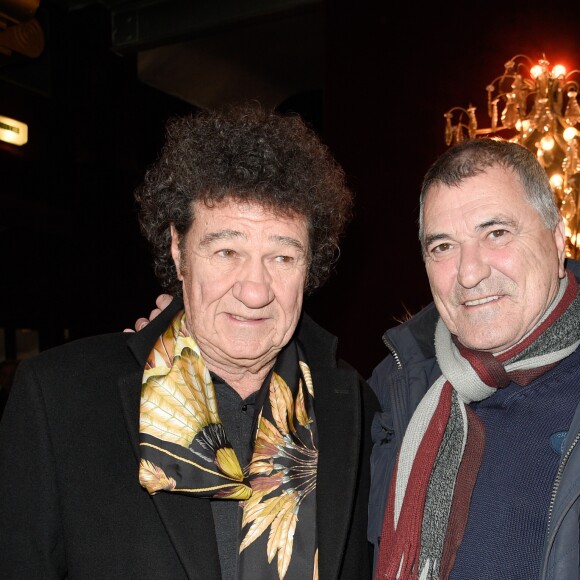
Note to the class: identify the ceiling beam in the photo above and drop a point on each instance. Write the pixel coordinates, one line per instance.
(137, 25)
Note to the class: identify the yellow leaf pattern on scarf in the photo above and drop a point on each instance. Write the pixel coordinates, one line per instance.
(179, 405)
(261, 467)
(315, 575)
(281, 540)
(171, 409)
(238, 492)
(280, 513)
(307, 377)
(228, 463)
(267, 512)
(153, 478)
(268, 441)
(300, 409)
(162, 354)
(281, 402)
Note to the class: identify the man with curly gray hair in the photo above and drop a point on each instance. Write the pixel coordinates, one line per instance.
(225, 440)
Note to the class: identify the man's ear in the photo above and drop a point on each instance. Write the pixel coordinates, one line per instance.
(560, 237)
(175, 251)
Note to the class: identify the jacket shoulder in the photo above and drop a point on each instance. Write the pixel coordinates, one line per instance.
(412, 341)
(111, 342)
(81, 347)
(574, 267)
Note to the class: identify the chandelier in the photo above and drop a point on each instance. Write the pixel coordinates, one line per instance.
(536, 106)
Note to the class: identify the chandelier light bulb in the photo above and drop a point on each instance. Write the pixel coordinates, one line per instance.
(559, 71)
(569, 133)
(556, 181)
(536, 71)
(547, 142)
(568, 209)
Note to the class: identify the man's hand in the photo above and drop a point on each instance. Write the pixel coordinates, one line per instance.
(162, 302)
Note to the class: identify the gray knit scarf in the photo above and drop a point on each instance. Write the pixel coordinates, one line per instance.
(442, 448)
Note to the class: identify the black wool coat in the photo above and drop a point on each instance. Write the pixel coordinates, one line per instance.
(71, 505)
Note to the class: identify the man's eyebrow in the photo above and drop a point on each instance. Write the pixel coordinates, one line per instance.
(434, 238)
(288, 241)
(220, 235)
(496, 221)
(489, 223)
(229, 234)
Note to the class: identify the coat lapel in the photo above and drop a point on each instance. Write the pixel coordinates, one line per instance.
(337, 404)
(188, 521)
(338, 413)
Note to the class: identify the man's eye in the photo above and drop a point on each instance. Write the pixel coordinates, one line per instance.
(440, 249)
(225, 253)
(284, 259)
(497, 233)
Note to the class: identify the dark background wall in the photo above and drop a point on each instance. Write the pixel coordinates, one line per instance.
(379, 81)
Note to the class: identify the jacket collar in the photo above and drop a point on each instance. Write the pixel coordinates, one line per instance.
(186, 522)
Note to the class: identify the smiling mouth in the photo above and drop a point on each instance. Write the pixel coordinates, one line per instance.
(481, 301)
(244, 319)
(240, 318)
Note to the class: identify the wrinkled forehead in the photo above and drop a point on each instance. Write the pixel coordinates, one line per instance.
(245, 218)
(245, 205)
(495, 182)
(493, 197)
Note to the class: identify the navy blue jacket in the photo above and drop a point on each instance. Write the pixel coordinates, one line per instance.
(401, 380)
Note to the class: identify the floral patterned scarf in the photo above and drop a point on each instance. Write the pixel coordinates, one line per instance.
(185, 449)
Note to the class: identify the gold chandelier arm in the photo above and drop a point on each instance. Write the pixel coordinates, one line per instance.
(525, 57)
(535, 105)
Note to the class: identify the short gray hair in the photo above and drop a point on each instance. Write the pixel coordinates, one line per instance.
(470, 158)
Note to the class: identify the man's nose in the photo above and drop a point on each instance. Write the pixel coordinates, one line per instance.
(473, 266)
(254, 285)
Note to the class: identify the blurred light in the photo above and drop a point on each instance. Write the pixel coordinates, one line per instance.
(13, 131)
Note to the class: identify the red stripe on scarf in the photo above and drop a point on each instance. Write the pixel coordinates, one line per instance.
(405, 541)
(490, 368)
(567, 299)
(487, 367)
(526, 376)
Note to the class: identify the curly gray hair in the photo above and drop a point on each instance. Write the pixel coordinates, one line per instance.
(250, 154)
